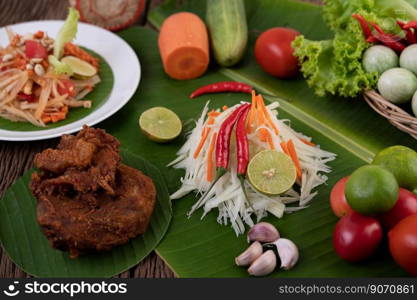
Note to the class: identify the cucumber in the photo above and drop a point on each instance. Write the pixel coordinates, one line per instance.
(226, 21)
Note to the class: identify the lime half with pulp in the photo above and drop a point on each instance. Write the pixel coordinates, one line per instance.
(160, 124)
(79, 66)
(272, 172)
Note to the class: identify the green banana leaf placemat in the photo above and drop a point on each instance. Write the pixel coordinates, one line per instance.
(26, 245)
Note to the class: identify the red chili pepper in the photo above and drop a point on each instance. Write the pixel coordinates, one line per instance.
(411, 38)
(223, 144)
(411, 24)
(364, 25)
(392, 41)
(242, 144)
(220, 87)
(24, 97)
(242, 150)
(223, 139)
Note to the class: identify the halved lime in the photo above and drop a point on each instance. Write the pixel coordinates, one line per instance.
(79, 66)
(160, 124)
(272, 172)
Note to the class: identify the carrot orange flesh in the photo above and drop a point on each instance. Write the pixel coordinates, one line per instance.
(210, 159)
(307, 142)
(183, 46)
(204, 136)
(294, 157)
(251, 116)
(267, 116)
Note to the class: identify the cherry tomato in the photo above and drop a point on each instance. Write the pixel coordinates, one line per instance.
(274, 53)
(403, 244)
(67, 87)
(34, 49)
(405, 206)
(356, 237)
(338, 200)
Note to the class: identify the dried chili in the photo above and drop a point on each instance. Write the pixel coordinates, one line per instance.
(220, 87)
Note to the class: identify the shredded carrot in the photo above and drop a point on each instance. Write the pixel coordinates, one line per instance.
(71, 49)
(294, 157)
(225, 107)
(210, 161)
(214, 114)
(270, 142)
(204, 135)
(266, 114)
(307, 142)
(56, 116)
(263, 133)
(284, 148)
(252, 112)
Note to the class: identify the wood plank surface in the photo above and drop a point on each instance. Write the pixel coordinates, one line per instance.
(17, 157)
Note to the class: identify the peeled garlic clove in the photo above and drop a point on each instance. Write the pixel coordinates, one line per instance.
(249, 255)
(288, 253)
(263, 232)
(264, 264)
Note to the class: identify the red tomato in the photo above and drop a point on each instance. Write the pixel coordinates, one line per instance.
(35, 50)
(405, 206)
(338, 201)
(403, 244)
(274, 53)
(67, 87)
(356, 237)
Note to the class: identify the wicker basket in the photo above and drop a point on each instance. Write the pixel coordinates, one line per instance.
(395, 115)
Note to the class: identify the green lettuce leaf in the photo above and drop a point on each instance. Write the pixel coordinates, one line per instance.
(335, 66)
(67, 32)
(60, 67)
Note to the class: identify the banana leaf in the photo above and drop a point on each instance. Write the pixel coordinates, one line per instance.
(24, 242)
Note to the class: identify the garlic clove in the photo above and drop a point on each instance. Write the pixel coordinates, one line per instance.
(288, 253)
(263, 232)
(264, 264)
(249, 255)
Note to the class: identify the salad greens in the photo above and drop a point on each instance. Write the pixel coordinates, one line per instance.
(335, 66)
(66, 34)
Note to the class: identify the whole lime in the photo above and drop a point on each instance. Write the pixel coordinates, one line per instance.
(371, 190)
(401, 161)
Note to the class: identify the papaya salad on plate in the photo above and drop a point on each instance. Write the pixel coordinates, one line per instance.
(42, 78)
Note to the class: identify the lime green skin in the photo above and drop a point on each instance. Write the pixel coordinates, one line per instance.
(401, 161)
(371, 190)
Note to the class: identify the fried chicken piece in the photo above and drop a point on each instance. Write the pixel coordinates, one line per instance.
(86, 161)
(87, 200)
(97, 222)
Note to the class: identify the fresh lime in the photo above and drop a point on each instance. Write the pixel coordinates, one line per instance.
(402, 162)
(160, 124)
(271, 172)
(79, 66)
(371, 190)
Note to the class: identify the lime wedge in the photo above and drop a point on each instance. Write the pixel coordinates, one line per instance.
(160, 124)
(79, 66)
(271, 172)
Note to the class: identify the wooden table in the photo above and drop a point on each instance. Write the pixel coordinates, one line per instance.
(17, 157)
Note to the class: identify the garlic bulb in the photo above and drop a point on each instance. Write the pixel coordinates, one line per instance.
(249, 255)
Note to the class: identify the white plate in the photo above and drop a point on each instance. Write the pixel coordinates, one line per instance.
(117, 53)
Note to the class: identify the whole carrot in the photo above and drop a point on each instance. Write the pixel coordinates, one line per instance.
(221, 87)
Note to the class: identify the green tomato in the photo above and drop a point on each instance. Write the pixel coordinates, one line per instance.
(379, 59)
(397, 85)
(408, 59)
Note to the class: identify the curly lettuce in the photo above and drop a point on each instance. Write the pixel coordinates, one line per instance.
(335, 66)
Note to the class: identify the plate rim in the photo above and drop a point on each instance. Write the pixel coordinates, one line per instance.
(106, 113)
